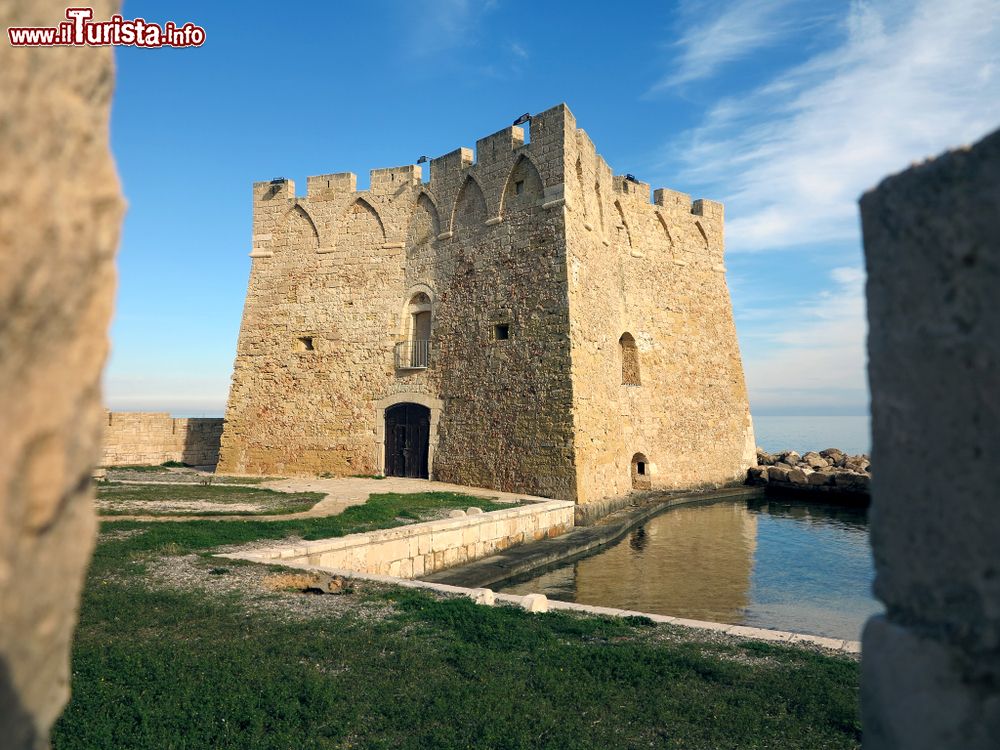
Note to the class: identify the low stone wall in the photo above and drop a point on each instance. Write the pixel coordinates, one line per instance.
(151, 438)
(422, 548)
(596, 511)
(829, 471)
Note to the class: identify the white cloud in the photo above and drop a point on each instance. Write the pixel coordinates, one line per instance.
(712, 40)
(441, 25)
(814, 354)
(791, 157)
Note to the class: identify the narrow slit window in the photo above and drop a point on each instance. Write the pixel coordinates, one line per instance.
(305, 344)
(630, 360)
(501, 331)
(519, 187)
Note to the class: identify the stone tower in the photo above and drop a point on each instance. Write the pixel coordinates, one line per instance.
(525, 320)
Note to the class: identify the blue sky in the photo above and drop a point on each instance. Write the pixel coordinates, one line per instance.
(786, 111)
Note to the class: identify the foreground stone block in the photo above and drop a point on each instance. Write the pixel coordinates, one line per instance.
(482, 596)
(931, 672)
(59, 219)
(927, 692)
(535, 603)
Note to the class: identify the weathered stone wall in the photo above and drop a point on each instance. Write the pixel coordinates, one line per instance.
(341, 267)
(423, 548)
(151, 438)
(653, 273)
(931, 666)
(542, 409)
(60, 212)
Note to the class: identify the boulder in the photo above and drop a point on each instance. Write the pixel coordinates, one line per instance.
(473, 511)
(833, 454)
(857, 463)
(791, 458)
(845, 479)
(777, 474)
(798, 476)
(757, 474)
(815, 461)
(783, 465)
(457, 513)
(764, 458)
(820, 479)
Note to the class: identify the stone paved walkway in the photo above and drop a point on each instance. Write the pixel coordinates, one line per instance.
(341, 493)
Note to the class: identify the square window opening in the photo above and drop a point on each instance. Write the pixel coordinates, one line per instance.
(641, 468)
(305, 344)
(501, 331)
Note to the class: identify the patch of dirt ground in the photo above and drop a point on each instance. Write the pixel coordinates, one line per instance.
(265, 588)
(154, 507)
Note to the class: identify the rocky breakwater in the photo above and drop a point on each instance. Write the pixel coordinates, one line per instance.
(830, 471)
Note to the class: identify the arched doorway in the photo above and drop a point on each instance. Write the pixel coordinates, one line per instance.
(640, 472)
(407, 437)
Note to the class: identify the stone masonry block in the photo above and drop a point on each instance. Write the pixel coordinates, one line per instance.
(921, 694)
(482, 596)
(931, 670)
(933, 283)
(535, 603)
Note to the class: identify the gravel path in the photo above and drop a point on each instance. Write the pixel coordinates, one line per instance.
(341, 493)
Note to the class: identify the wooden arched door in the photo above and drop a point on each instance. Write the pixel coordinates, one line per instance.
(407, 439)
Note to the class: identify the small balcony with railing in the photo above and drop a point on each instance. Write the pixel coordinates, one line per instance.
(414, 354)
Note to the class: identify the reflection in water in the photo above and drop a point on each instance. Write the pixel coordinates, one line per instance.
(783, 565)
(638, 540)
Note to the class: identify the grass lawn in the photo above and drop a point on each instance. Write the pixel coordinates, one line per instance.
(176, 649)
(114, 498)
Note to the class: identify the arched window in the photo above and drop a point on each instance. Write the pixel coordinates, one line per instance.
(641, 479)
(630, 360)
(413, 353)
(420, 317)
(524, 187)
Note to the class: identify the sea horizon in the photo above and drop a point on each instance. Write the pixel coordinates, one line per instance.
(851, 434)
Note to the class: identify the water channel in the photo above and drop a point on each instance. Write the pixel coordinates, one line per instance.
(768, 563)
